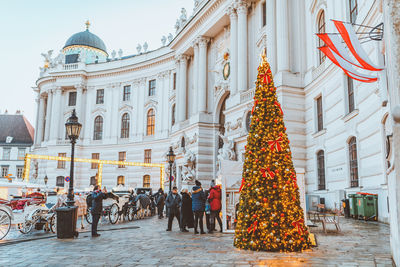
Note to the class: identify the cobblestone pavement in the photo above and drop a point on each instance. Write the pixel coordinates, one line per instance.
(359, 244)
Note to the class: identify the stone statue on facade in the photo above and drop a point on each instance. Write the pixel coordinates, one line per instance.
(145, 46)
(139, 48)
(170, 37)
(189, 166)
(163, 40)
(113, 54)
(183, 16)
(226, 152)
(120, 52)
(177, 25)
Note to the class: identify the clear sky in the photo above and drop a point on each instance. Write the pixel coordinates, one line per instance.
(31, 27)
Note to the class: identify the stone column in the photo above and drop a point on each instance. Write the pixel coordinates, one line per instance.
(79, 94)
(107, 121)
(48, 115)
(282, 34)
(233, 50)
(391, 17)
(39, 129)
(242, 44)
(37, 100)
(195, 76)
(56, 117)
(182, 92)
(271, 34)
(202, 89)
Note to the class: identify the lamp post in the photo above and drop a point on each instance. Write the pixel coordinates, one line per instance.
(67, 216)
(171, 159)
(73, 128)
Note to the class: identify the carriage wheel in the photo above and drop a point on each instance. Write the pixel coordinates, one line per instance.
(28, 225)
(88, 217)
(131, 213)
(5, 223)
(53, 223)
(113, 214)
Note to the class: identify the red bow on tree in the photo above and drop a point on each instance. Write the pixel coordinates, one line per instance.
(241, 186)
(275, 144)
(266, 77)
(254, 107)
(252, 227)
(299, 226)
(270, 173)
(278, 105)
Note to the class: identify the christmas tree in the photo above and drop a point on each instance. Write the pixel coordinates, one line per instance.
(270, 217)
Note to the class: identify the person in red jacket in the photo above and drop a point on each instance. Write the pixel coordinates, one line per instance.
(215, 204)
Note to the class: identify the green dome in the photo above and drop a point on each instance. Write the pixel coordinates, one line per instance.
(86, 38)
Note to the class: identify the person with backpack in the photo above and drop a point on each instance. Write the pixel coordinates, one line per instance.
(215, 205)
(198, 205)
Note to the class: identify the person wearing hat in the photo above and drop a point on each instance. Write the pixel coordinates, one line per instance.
(173, 204)
(198, 205)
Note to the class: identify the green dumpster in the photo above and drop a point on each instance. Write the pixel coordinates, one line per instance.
(353, 205)
(367, 206)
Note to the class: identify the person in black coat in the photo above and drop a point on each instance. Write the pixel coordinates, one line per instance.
(160, 202)
(97, 208)
(186, 211)
(173, 203)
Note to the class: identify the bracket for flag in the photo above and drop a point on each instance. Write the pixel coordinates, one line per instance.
(374, 34)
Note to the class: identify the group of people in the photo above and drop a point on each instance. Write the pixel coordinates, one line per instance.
(189, 208)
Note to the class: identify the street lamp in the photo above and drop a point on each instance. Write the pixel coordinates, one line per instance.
(67, 216)
(73, 128)
(171, 159)
(46, 179)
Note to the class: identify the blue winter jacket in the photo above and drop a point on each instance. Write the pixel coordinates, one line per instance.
(198, 198)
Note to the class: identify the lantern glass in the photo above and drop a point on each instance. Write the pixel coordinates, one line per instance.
(171, 156)
(72, 126)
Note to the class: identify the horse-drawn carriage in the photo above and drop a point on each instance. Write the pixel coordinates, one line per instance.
(117, 205)
(26, 213)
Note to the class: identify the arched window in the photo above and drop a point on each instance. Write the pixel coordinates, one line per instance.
(146, 181)
(150, 122)
(321, 170)
(353, 162)
(98, 128)
(173, 115)
(321, 29)
(60, 181)
(183, 142)
(125, 126)
(248, 121)
(121, 180)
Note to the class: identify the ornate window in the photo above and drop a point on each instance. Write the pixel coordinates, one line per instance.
(122, 157)
(350, 94)
(353, 8)
(20, 171)
(125, 126)
(152, 87)
(61, 163)
(60, 181)
(147, 156)
(127, 93)
(320, 123)
(321, 29)
(248, 121)
(95, 156)
(146, 181)
(21, 153)
(150, 122)
(72, 99)
(6, 153)
(173, 115)
(100, 96)
(4, 171)
(98, 128)
(121, 180)
(321, 170)
(353, 162)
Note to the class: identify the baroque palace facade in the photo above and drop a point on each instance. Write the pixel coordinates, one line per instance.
(195, 93)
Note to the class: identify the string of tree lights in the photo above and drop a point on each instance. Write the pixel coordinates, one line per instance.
(270, 217)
